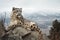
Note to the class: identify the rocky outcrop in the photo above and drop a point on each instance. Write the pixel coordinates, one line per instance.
(21, 28)
(2, 28)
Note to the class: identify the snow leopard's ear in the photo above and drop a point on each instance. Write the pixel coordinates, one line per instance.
(13, 8)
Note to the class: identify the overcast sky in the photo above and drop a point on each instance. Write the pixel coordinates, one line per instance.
(30, 5)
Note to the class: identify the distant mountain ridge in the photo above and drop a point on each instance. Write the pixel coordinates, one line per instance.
(40, 17)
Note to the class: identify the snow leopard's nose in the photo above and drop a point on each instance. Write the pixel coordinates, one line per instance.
(18, 14)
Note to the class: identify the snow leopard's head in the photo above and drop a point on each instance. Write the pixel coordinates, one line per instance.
(17, 12)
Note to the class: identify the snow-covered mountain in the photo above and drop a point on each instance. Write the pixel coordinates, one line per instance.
(44, 19)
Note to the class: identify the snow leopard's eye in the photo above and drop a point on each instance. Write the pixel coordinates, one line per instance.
(17, 11)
